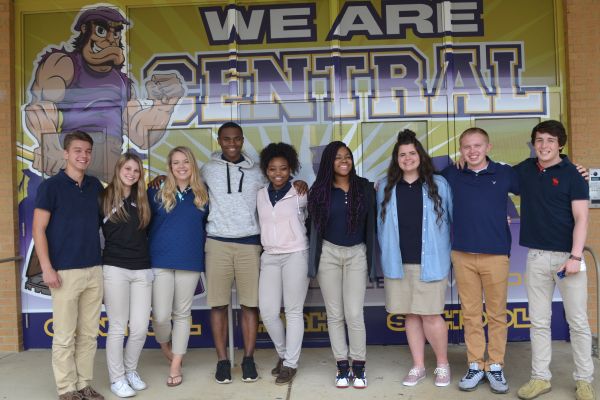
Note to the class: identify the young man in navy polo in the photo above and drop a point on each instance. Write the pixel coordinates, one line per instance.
(554, 219)
(480, 255)
(65, 231)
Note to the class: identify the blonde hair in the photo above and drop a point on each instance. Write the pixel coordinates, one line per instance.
(473, 130)
(166, 195)
(113, 195)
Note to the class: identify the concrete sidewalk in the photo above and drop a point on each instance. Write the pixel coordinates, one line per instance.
(28, 375)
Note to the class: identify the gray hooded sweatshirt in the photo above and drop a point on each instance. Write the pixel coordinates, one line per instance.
(232, 190)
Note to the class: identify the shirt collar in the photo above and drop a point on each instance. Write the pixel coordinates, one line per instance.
(181, 193)
(284, 189)
(564, 161)
(63, 175)
(490, 169)
(417, 182)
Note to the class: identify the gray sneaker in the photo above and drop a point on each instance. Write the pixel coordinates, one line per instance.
(472, 379)
(496, 378)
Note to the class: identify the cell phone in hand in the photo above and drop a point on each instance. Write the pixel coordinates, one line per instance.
(561, 274)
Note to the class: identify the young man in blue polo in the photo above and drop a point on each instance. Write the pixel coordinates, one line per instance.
(65, 231)
(554, 219)
(480, 255)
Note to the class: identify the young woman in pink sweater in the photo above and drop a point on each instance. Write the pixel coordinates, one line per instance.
(284, 262)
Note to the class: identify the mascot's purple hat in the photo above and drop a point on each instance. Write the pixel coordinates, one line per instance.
(100, 14)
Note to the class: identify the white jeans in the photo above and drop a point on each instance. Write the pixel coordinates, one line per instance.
(284, 276)
(172, 296)
(127, 297)
(540, 282)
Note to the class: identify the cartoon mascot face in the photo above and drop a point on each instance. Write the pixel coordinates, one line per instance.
(100, 39)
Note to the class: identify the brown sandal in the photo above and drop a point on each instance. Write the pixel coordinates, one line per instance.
(172, 380)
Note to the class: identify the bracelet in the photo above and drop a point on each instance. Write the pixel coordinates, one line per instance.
(572, 257)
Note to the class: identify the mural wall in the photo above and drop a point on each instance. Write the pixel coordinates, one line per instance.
(146, 78)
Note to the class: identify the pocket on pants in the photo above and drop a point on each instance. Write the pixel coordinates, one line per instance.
(534, 254)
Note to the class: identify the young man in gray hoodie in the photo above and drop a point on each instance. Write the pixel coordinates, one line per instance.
(232, 245)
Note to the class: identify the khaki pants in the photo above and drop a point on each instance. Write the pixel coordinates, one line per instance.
(172, 297)
(127, 298)
(342, 277)
(75, 312)
(284, 276)
(480, 276)
(540, 282)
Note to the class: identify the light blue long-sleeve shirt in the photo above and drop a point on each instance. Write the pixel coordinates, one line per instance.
(435, 238)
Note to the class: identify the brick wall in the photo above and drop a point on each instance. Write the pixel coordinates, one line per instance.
(11, 335)
(583, 96)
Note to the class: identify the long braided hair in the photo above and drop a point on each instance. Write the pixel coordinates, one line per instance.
(426, 171)
(319, 195)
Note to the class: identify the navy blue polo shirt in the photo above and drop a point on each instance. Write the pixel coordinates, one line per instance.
(409, 204)
(73, 229)
(546, 194)
(480, 207)
(336, 230)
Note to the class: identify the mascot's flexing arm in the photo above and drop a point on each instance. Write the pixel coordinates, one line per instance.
(85, 89)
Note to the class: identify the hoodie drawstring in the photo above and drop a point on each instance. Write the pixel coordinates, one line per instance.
(229, 179)
(241, 179)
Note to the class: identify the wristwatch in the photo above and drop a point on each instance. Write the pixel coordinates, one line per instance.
(572, 257)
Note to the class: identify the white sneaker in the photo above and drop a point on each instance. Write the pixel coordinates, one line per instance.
(134, 380)
(343, 378)
(122, 389)
(360, 382)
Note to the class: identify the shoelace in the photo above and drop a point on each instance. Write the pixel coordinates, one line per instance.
(471, 373)
(414, 372)
(342, 373)
(358, 372)
(585, 388)
(497, 375)
(88, 392)
(133, 375)
(441, 372)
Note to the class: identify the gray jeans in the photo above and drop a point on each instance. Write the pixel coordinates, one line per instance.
(127, 297)
(284, 276)
(343, 280)
(540, 282)
(172, 296)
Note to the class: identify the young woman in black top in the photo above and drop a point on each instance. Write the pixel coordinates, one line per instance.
(127, 274)
(342, 239)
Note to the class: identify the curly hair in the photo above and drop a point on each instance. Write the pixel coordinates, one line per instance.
(319, 195)
(283, 150)
(426, 171)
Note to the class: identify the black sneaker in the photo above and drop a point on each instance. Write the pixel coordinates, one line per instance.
(223, 374)
(249, 373)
